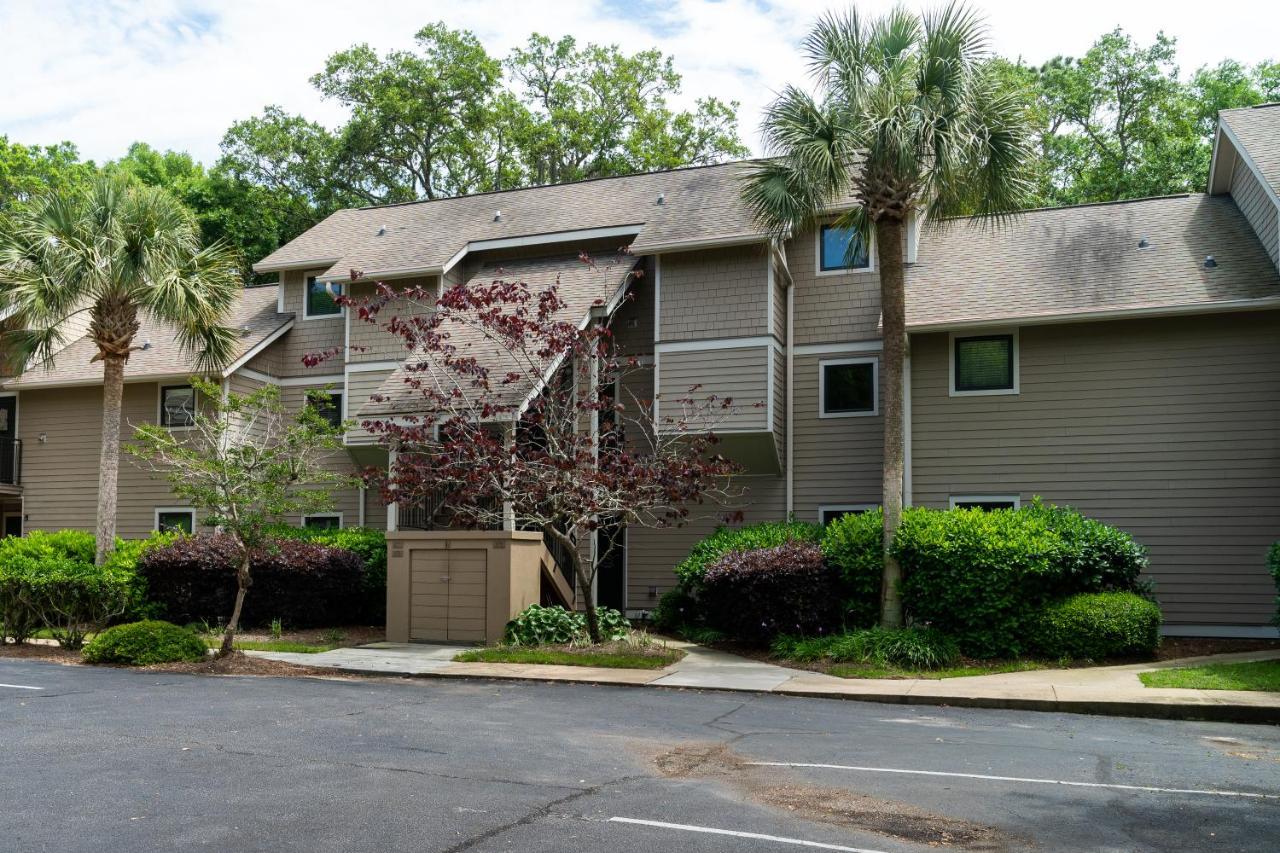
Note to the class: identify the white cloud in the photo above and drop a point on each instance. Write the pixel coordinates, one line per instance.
(176, 73)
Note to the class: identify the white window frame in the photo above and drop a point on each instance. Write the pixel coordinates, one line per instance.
(188, 510)
(332, 392)
(826, 508)
(982, 333)
(953, 501)
(336, 515)
(306, 302)
(822, 386)
(872, 260)
(160, 389)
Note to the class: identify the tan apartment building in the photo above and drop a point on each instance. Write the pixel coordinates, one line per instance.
(1122, 358)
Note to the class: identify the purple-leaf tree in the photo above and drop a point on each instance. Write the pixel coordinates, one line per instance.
(514, 414)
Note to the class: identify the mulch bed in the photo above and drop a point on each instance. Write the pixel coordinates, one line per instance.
(237, 663)
(39, 651)
(352, 635)
(1190, 647)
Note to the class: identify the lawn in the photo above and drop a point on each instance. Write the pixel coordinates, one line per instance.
(609, 656)
(857, 670)
(1252, 675)
(273, 646)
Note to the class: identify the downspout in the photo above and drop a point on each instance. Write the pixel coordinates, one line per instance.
(789, 397)
(392, 510)
(906, 425)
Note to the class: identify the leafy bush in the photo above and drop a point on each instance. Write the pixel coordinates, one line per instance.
(49, 580)
(767, 534)
(852, 544)
(371, 545)
(1273, 564)
(677, 610)
(303, 584)
(142, 643)
(1097, 626)
(906, 648)
(537, 626)
(1092, 556)
(756, 595)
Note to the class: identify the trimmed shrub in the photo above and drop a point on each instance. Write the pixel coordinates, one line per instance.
(371, 545)
(677, 610)
(1097, 626)
(303, 584)
(907, 648)
(1092, 556)
(1273, 565)
(143, 643)
(766, 534)
(755, 595)
(554, 625)
(49, 580)
(852, 544)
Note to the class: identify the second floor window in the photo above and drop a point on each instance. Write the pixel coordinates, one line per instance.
(984, 363)
(177, 406)
(842, 249)
(847, 387)
(319, 301)
(327, 405)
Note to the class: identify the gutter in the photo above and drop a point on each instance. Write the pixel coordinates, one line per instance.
(1223, 306)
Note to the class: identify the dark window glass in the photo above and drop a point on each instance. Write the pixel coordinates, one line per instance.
(328, 406)
(180, 522)
(830, 515)
(848, 388)
(843, 249)
(319, 302)
(177, 406)
(984, 363)
(322, 522)
(985, 506)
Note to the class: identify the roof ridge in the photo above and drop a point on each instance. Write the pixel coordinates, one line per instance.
(1109, 203)
(548, 186)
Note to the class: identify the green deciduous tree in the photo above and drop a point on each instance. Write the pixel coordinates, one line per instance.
(246, 464)
(909, 118)
(117, 252)
(27, 171)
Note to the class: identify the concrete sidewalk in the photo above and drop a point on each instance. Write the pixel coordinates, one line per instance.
(1111, 690)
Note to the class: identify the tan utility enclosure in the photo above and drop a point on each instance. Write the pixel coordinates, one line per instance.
(463, 586)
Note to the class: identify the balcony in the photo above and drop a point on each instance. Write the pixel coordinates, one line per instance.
(10, 463)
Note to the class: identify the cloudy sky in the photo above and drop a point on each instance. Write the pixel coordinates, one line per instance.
(176, 73)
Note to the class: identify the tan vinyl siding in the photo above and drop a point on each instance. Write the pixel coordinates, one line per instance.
(371, 341)
(740, 373)
(1257, 206)
(779, 367)
(830, 308)
(632, 323)
(307, 336)
(346, 500)
(721, 293)
(779, 296)
(361, 384)
(838, 461)
(1169, 429)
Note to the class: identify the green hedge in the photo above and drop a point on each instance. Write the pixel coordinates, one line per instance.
(852, 544)
(143, 643)
(1096, 626)
(767, 534)
(371, 545)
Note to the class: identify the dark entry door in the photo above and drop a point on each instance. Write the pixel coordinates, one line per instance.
(8, 443)
(611, 572)
(13, 525)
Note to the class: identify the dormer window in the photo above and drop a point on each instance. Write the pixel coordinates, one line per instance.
(320, 302)
(842, 249)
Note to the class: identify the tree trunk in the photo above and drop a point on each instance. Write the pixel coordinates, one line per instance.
(243, 581)
(109, 462)
(893, 307)
(584, 581)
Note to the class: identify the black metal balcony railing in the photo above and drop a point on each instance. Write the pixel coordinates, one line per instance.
(10, 461)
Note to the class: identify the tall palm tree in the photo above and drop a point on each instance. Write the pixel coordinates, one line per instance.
(907, 119)
(116, 251)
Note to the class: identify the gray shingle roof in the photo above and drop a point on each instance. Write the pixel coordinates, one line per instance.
(1085, 259)
(255, 310)
(699, 203)
(1258, 129)
(580, 285)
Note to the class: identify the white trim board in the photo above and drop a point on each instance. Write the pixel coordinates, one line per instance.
(367, 366)
(1243, 154)
(257, 348)
(291, 381)
(188, 510)
(1220, 307)
(717, 343)
(954, 500)
(836, 348)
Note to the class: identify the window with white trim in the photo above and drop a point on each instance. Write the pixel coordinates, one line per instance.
(848, 387)
(984, 364)
(320, 299)
(177, 406)
(987, 503)
(842, 249)
(323, 521)
(328, 405)
(829, 513)
(175, 519)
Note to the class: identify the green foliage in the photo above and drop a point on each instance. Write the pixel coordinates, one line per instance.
(676, 610)
(1097, 626)
(1091, 556)
(537, 626)
(27, 171)
(144, 643)
(765, 534)
(907, 648)
(853, 545)
(49, 580)
(755, 595)
(371, 544)
(1273, 565)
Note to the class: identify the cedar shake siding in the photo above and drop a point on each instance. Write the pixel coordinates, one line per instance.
(832, 306)
(1257, 207)
(1169, 429)
(708, 295)
(308, 335)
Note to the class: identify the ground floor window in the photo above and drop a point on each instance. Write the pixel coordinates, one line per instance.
(175, 519)
(986, 502)
(829, 513)
(323, 521)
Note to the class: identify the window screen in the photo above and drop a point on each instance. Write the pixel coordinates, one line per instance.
(175, 521)
(984, 363)
(319, 302)
(177, 406)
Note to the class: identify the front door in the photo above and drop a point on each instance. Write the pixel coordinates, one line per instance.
(13, 524)
(611, 571)
(8, 445)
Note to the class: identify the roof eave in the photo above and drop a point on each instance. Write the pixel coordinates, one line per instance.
(1218, 307)
(265, 265)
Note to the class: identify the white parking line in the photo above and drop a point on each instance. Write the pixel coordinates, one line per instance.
(21, 687)
(710, 830)
(1206, 792)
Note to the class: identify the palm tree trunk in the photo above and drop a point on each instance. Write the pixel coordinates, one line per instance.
(109, 462)
(893, 307)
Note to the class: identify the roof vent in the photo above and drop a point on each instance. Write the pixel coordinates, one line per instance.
(662, 198)
(382, 231)
(1144, 243)
(146, 344)
(497, 216)
(244, 331)
(1209, 262)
